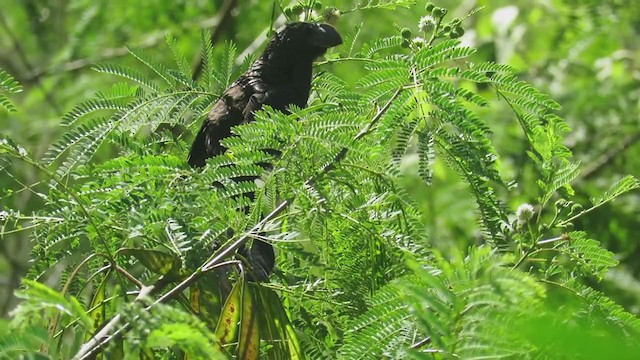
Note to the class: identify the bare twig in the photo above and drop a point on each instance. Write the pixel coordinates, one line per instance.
(421, 343)
(606, 158)
(258, 41)
(150, 40)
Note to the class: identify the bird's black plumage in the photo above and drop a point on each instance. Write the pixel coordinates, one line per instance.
(280, 77)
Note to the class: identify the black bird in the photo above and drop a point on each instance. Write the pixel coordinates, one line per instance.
(280, 77)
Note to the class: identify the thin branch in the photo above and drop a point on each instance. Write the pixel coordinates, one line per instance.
(255, 45)
(421, 343)
(345, 59)
(305, 294)
(561, 286)
(546, 241)
(533, 249)
(150, 40)
(606, 158)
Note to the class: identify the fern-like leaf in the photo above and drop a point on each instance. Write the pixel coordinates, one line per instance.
(589, 256)
(443, 51)
(183, 66)
(39, 297)
(206, 52)
(383, 4)
(626, 184)
(126, 73)
(8, 85)
(152, 64)
(224, 71)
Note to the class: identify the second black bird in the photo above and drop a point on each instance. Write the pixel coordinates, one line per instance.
(280, 77)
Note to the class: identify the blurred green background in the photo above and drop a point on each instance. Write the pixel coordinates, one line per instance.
(584, 53)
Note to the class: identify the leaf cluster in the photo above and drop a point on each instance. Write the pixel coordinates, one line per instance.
(137, 239)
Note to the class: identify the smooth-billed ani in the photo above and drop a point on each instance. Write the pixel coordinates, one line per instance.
(280, 77)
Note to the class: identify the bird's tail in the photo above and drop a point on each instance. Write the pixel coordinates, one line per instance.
(199, 154)
(262, 259)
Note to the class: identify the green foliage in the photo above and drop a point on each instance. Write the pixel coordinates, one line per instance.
(384, 4)
(24, 343)
(446, 309)
(141, 243)
(588, 255)
(624, 185)
(8, 85)
(168, 327)
(38, 297)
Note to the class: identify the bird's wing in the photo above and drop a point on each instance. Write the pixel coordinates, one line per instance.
(235, 107)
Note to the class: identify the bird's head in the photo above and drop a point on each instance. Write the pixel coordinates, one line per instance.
(305, 38)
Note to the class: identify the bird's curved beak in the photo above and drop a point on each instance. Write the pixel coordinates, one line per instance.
(326, 36)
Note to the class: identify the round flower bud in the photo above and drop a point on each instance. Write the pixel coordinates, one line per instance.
(317, 5)
(576, 208)
(439, 12)
(446, 28)
(430, 6)
(405, 43)
(331, 15)
(297, 9)
(406, 33)
(427, 23)
(456, 32)
(288, 11)
(418, 41)
(524, 213)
